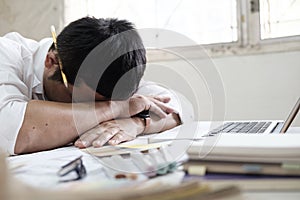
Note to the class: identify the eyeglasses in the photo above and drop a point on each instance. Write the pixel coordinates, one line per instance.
(59, 61)
(73, 166)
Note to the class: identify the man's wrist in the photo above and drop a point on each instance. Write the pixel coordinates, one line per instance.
(117, 108)
(141, 128)
(145, 117)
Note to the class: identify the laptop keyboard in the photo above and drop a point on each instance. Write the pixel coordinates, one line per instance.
(241, 127)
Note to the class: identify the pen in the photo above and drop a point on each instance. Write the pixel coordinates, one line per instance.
(53, 32)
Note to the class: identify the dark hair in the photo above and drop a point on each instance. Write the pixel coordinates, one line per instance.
(113, 69)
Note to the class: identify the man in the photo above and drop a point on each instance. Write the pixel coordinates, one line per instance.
(36, 109)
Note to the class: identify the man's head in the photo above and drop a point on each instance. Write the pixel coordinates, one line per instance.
(106, 55)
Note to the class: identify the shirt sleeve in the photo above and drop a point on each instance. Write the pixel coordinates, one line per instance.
(11, 120)
(178, 102)
(14, 95)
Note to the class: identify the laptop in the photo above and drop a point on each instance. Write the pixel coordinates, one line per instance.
(258, 126)
(198, 130)
(202, 142)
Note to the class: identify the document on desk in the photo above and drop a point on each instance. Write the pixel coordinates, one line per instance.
(40, 169)
(192, 131)
(125, 148)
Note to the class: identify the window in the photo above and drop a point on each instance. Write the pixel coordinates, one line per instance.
(200, 20)
(279, 18)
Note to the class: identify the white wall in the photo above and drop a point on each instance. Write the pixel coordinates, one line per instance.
(262, 86)
(31, 18)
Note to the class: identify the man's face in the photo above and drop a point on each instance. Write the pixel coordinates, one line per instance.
(56, 90)
(83, 93)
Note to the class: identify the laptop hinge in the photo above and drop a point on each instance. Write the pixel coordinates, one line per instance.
(277, 128)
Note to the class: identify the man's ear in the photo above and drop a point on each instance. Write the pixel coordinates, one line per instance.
(50, 60)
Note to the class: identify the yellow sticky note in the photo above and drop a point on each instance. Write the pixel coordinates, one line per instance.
(143, 146)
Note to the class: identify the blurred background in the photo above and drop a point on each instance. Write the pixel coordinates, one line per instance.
(252, 45)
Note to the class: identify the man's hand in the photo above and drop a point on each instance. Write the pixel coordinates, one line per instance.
(139, 103)
(125, 128)
(113, 132)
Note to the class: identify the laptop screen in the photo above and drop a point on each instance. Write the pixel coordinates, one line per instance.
(291, 117)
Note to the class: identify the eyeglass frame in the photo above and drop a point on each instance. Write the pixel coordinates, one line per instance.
(75, 165)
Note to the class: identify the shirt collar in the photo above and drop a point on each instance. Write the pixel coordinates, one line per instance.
(39, 65)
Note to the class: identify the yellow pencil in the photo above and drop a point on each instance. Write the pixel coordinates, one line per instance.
(59, 61)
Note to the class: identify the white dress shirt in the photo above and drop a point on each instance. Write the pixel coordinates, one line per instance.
(21, 75)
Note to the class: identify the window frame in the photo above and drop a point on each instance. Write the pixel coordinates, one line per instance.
(249, 41)
(254, 19)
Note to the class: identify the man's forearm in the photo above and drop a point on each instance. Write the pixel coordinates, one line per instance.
(120, 130)
(47, 125)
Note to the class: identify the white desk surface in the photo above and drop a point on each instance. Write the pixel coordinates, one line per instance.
(39, 170)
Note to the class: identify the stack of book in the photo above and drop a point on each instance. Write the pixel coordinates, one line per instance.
(252, 162)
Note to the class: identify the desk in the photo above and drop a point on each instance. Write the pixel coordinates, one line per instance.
(40, 169)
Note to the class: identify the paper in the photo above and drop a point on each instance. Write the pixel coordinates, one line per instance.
(40, 169)
(192, 131)
(125, 148)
